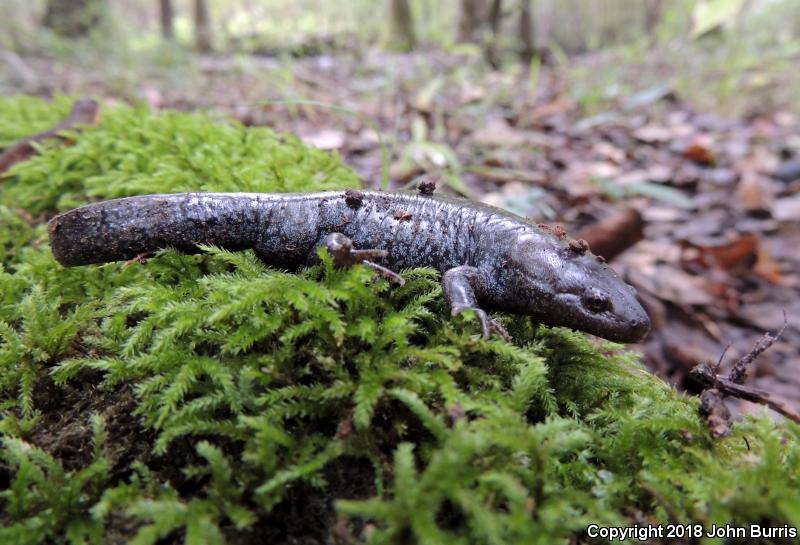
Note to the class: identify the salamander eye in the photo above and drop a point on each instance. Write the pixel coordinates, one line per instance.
(595, 300)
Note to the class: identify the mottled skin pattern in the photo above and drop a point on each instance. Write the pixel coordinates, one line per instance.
(489, 258)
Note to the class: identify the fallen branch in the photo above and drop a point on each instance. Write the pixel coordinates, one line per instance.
(84, 112)
(712, 406)
(739, 372)
(728, 387)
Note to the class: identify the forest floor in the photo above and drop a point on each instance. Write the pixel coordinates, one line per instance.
(705, 204)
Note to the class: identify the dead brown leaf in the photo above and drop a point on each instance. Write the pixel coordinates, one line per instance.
(532, 118)
(326, 139)
(754, 192)
(739, 252)
(672, 284)
(767, 268)
(497, 132)
(700, 154)
(653, 134)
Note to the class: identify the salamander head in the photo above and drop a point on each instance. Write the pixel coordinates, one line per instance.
(566, 285)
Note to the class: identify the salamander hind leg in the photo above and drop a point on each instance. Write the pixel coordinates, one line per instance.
(345, 255)
(460, 287)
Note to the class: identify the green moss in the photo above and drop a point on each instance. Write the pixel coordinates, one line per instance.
(23, 116)
(211, 399)
(133, 152)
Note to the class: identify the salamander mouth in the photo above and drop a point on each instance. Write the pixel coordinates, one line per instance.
(632, 331)
(625, 322)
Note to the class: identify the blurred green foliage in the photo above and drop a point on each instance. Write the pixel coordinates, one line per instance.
(724, 55)
(23, 116)
(283, 24)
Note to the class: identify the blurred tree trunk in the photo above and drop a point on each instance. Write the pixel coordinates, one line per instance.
(652, 14)
(202, 26)
(469, 20)
(165, 10)
(526, 38)
(796, 22)
(495, 18)
(72, 18)
(545, 15)
(402, 25)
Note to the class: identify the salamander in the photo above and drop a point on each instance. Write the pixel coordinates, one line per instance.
(489, 258)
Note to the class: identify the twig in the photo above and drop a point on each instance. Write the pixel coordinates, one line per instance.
(712, 406)
(140, 259)
(728, 387)
(739, 372)
(23, 70)
(721, 357)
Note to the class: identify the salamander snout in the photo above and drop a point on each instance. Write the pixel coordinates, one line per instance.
(611, 310)
(639, 327)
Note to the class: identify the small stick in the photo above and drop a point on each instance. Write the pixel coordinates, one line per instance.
(739, 372)
(140, 259)
(383, 271)
(721, 357)
(731, 388)
(716, 388)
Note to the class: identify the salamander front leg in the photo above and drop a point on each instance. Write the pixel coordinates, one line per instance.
(344, 255)
(460, 286)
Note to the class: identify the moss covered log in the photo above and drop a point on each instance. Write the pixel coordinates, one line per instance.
(211, 399)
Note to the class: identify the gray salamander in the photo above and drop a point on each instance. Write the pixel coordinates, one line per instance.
(489, 258)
